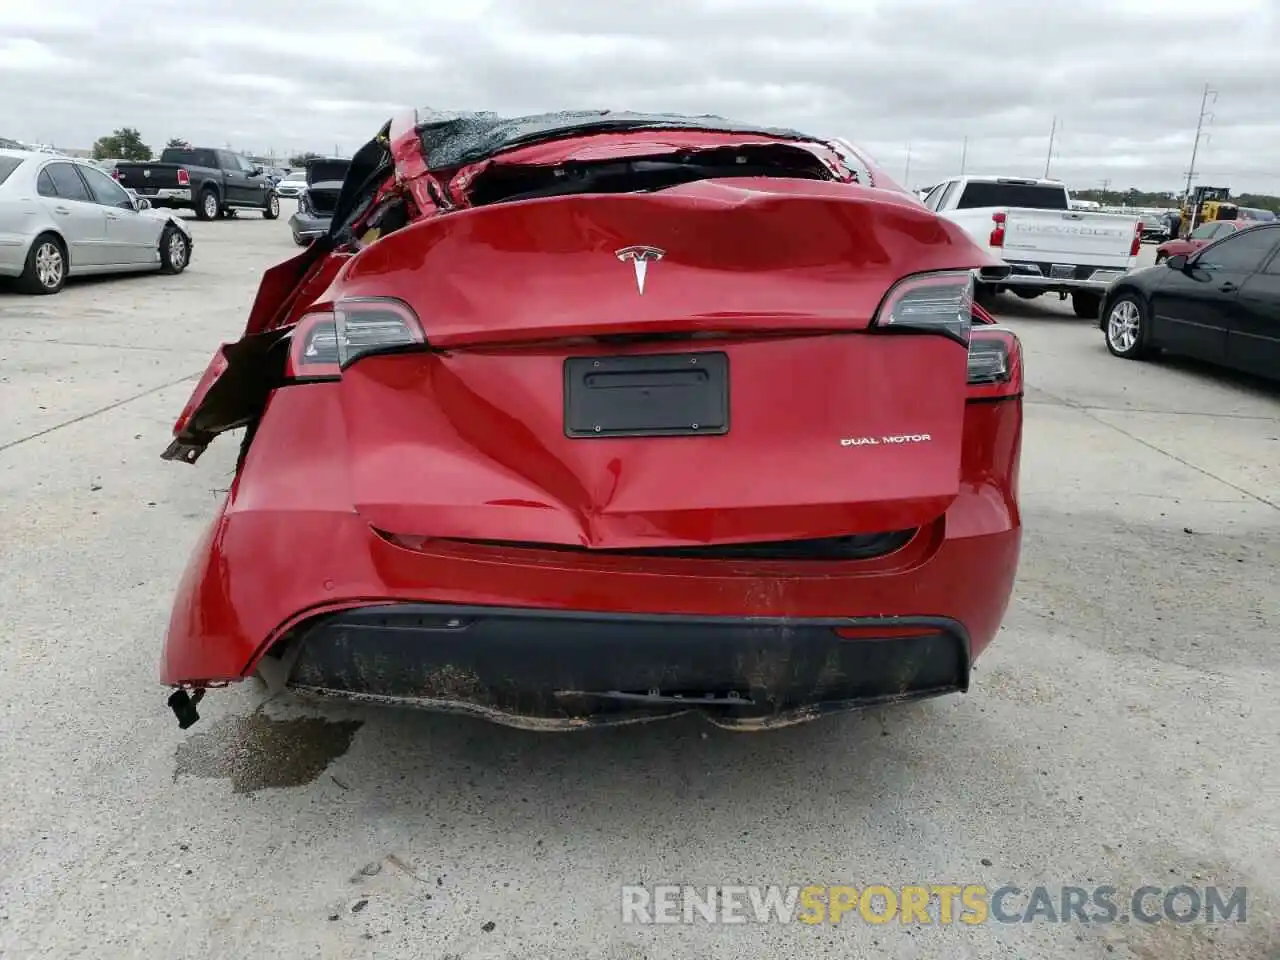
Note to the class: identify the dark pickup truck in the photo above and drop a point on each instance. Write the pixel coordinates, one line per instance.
(213, 183)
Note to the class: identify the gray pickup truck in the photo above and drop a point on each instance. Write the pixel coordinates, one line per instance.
(213, 183)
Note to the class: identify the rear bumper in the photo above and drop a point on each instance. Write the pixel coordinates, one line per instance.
(170, 198)
(579, 669)
(308, 226)
(1040, 276)
(289, 580)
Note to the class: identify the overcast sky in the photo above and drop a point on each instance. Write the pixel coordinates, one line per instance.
(1124, 77)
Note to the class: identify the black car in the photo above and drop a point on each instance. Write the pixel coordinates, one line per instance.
(316, 202)
(1220, 303)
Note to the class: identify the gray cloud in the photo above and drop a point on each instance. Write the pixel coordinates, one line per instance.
(1123, 77)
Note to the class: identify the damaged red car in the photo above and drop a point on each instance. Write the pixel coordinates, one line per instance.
(603, 417)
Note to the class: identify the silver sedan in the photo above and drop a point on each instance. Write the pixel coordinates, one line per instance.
(62, 217)
(293, 183)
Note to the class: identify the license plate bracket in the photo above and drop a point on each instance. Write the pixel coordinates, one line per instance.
(654, 395)
(1062, 271)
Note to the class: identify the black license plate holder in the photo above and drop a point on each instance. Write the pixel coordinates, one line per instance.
(654, 395)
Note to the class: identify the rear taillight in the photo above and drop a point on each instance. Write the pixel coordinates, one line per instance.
(930, 303)
(324, 342)
(995, 364)
(1136, 247)
(184, 178)
(997, 230)
(115, 174)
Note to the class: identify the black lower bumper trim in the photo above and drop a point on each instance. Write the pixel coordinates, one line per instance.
(534, 667)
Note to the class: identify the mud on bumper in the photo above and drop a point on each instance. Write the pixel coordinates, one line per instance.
(556, 670)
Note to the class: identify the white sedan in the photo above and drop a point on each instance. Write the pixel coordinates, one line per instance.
(62, 217)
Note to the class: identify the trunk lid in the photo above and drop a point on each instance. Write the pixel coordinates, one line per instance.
(775, 255)
(811, 426)
(324, 183)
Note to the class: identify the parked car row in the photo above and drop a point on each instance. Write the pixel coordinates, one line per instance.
(62, 217)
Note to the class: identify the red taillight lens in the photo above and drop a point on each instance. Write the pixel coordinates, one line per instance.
(115, 174)
(995, 364)
(326, 341)
(1136, 247)
(931, 303)
(184, 178)
(997, 230)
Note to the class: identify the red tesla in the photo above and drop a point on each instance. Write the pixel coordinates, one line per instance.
(604, 417)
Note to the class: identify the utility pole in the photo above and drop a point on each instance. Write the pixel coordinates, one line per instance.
(1195, 148)
(964, 155)
(1105, 183)
(906, 174)
(1049, 159)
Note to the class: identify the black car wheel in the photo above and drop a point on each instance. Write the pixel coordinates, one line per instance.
(207, 206)
(175, 250)
(1126, 327)
(1086, 304)
(272, 209)
(46, 267)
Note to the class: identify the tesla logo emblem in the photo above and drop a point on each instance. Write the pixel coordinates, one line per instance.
(640, 257)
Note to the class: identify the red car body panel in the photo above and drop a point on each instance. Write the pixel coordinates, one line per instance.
(445, 476)
(289, 545)
(1186, 245)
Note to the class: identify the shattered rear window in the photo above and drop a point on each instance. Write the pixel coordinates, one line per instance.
(454, 139)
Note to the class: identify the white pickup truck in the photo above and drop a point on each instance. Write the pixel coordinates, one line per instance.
(1049, 246)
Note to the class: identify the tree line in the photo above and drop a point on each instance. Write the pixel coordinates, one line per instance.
(1133, 197)
(126, 144)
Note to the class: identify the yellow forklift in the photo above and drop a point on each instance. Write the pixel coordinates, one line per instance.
(1207, 204)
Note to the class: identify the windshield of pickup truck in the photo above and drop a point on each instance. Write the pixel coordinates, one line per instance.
(1035, 196)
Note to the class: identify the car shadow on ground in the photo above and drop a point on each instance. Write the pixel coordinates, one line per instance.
(9, 289)
(1044, 307)
(1259, 387)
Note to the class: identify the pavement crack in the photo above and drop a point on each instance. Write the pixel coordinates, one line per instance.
(1055, 401)
(102, 346)
(1088, 412)
(93, 413)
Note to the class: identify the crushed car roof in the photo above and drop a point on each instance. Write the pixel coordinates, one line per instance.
(454, 139)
